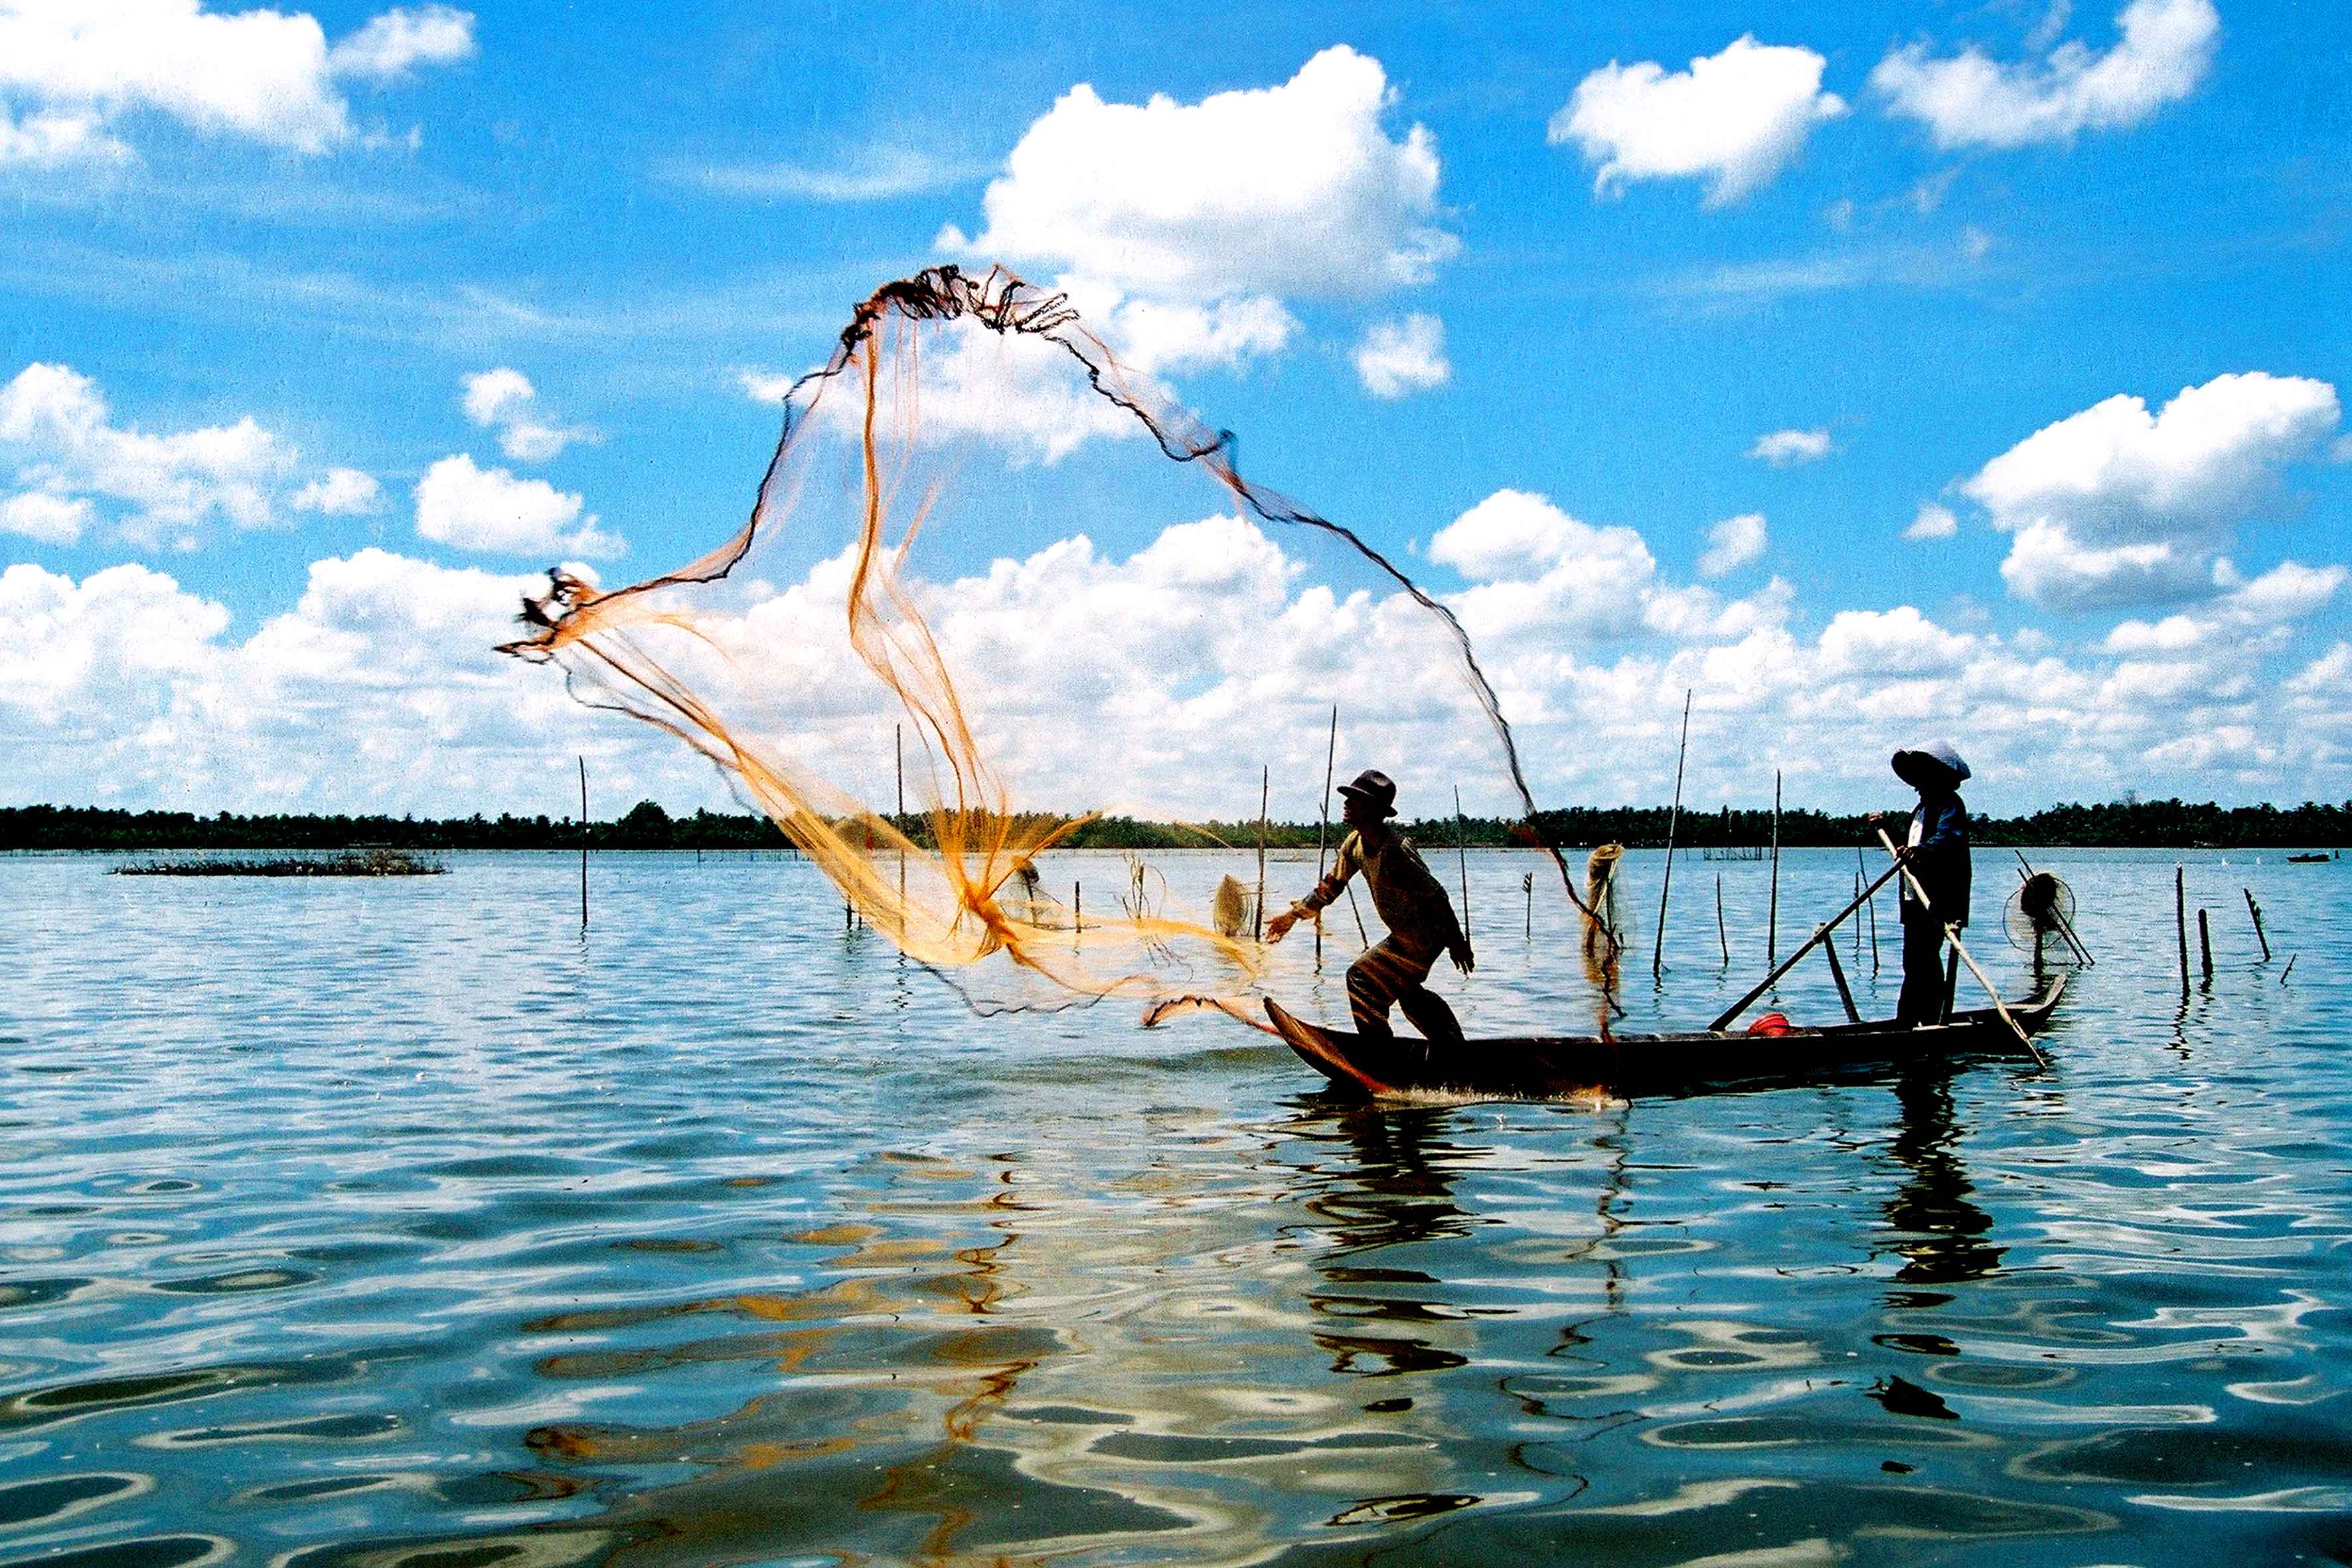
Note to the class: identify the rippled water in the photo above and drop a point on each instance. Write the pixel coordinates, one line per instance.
(386, 1222)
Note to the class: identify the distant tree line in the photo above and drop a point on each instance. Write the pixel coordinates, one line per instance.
(2165, 824)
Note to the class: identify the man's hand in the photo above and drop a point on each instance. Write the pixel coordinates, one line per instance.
(1279, 926)
(1463, 959)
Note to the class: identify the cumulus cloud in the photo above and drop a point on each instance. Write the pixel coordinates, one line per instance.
(1181, 230)
(1782, 447)
(377, 690)
(76, 71)
(492, 512)
(392, 46)
(1736, 119)
(1969, 99)
(45, 518)
(1399, 357)
(1933, 522)
(1098, 678)
(1733, 543)
(163, 489)
(1294, 189)
(2116, 505)
(505, 401)
(342, 492)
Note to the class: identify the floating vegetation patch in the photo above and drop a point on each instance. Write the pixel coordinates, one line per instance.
(350, 863)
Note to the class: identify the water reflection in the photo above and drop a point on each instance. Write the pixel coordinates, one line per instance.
(1399, 1193)
(1939, 1233)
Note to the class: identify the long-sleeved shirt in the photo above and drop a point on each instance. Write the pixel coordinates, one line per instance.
(1409, 898)
(1939, 849)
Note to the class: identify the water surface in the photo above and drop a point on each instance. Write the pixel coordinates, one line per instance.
(398, 1221)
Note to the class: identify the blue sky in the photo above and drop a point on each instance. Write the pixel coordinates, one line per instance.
(1856, 273)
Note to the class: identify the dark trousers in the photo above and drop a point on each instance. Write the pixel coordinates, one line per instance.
(1925, 995)
(1390, 974)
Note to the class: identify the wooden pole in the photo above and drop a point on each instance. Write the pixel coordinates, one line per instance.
(1837, 973)
(1858, 925)
(2205, 944)
(2255, 910)
(583, 843)
(1789, 962)
(2180, 923)
(1361, 934)
(1952, 936)
(1721, 935)
(1772, 920)
(1323, 825)
(1077, 908)
(1264, 796)
(1673, 818)
(898, 750)
(1461, 854)
(1527, 886)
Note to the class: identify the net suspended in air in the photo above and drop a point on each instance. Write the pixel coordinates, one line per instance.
(979, 523)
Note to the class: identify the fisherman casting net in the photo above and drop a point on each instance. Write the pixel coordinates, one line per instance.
(981, 525)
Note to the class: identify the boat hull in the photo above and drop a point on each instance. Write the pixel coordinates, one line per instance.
(1547, 1068)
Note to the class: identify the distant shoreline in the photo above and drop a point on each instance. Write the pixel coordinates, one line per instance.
(2160, 824)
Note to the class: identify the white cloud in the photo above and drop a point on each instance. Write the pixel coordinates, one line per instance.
(1182, 231)
(1399, 357)
(48, 518)
(870, 175)
(2116, 505)
(1733, 543)
(1782, 447)
(393, 45)
(1738, 118)
(504, 400)
(1286, 190)
(265, 75)
(491, 510)
(1892, 642)
(56, 426)
(1933, 522)
(342, 492)
(1969, 100)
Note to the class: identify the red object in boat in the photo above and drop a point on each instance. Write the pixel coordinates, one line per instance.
(1770, 1023)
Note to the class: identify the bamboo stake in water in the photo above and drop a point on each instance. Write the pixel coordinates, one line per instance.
(2255, 910)
(1673, 818)
(1462, 853)
(583, 843)
(1721, 935)
(1772, 920)
(1323, 825)
(2205, 944)
(2180, 923)
(1527, 886)
(1265, 796)
(898, 748)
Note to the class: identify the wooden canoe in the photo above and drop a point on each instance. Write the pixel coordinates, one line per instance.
(1547, 1068)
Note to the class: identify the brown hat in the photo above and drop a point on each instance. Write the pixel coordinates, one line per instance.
(1374, 787)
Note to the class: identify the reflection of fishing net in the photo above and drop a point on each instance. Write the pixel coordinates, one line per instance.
(1122, 638)
(2040, 911)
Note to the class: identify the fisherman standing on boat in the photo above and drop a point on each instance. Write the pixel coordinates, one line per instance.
(1937, 854)
(1410, 902)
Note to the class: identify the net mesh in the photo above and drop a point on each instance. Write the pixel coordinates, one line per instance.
(936, 548)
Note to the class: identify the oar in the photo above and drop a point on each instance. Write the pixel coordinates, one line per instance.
(1952, 936)
(1789, 962)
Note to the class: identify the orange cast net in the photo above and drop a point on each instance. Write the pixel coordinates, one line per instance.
(980, 526)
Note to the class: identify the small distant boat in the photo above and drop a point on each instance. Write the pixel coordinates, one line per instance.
(1545, 1068)
(2310, 859)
